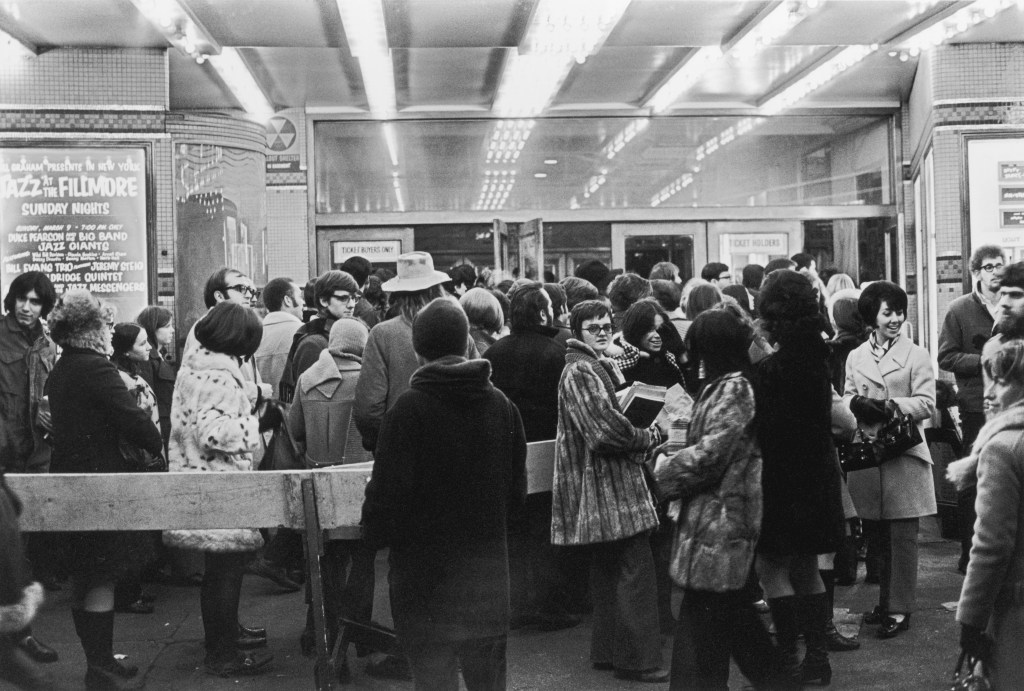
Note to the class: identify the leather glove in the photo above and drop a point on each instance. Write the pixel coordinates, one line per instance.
(272, 416)
(869, 411)
(975, 642)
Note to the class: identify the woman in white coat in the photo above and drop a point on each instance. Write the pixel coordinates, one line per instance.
(888, 367)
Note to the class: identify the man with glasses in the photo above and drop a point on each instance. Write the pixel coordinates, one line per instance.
(227, 285)
(967, 326)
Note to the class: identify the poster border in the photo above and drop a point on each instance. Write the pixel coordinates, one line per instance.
(152, 278)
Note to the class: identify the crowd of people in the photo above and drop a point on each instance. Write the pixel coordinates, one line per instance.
(441, 379)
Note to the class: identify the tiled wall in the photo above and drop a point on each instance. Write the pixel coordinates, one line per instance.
(66, 78)
(287, 229)
(959, 89)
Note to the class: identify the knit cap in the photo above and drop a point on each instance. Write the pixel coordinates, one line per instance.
(441, 328)
(348, 336)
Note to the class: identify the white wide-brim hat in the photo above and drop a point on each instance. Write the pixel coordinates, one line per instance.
(415, 272)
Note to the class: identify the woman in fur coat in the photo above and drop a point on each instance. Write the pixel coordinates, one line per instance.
(92, 411)
(717, 477)
(600, 498)
(214, 428)
(990, 614)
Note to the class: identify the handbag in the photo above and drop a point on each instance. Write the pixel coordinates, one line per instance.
(139, 460)
(282, 452)
(972, 677)
(897, 435)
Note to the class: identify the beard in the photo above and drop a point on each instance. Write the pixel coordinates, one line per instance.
(1011, 325)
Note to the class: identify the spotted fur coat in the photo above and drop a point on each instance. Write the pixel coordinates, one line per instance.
(212, 430)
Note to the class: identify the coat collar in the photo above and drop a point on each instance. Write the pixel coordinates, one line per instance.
(325, 374)
(895, 359)
(204, 359)
(280, 317)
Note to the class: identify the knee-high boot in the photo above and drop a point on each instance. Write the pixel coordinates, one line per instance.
(786, 629)
(837, 642)
(96, 631)
(817, 615)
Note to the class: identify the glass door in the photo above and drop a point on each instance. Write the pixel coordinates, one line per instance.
(637, 247)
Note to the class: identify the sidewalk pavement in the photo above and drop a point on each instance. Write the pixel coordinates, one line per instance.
(168, 645)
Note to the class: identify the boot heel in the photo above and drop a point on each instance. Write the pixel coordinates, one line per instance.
(817, 673)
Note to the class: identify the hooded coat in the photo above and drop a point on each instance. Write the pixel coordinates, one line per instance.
(213, 429)
(442, 489)
(993, 590)
(600, 493)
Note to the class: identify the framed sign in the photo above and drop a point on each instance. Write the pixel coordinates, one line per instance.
(79, 215)
(374, 251)
(995, 194)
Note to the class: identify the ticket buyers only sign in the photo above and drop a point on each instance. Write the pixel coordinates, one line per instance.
(78, 215)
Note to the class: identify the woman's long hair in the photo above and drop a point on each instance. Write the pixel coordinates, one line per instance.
(788, 305)
(125, 335)
(719, 342)
(409, 304)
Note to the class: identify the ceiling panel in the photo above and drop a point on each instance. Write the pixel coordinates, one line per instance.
(674, 23)
(194, 86)
(93, 23)
(456, 23)
(445, 77)
(863, 22)
(735, 78)
(269, 22)
(312, 77)
(616, 74)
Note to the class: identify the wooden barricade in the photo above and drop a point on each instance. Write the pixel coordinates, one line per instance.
(324, 504)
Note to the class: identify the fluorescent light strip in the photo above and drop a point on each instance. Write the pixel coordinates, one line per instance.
(392, 142)
(677, 185)
(239, 79)
(768, 29)
(179, 28)
(683, 78)
(367, 39)
(957, 23)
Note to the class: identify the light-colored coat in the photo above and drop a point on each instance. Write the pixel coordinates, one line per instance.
(599, 491)
(993, 591)
(718, 477)
(320, 418)
(902, 487)
(278, 331)
(212, 430)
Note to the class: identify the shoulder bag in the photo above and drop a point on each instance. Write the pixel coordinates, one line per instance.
(897, 435)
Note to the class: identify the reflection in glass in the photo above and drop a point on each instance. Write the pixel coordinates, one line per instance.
(601, 163)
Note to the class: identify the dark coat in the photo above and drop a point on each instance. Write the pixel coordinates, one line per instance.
(91, 409)
(803, 512)
(442, 488)
(526, 365)
(160, 376)
(25, 362)
(967, 326)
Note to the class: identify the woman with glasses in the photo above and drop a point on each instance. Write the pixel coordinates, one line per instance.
(601, 500)
(92, 411)
(990, 614)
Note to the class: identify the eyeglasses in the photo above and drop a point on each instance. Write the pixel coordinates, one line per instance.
(245, 290)
(991, 267)
(347, 298)
(595, 329)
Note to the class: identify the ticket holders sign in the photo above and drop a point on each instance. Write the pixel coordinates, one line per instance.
(79, 216)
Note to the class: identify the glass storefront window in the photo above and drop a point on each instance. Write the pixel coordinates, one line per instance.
(600, 163)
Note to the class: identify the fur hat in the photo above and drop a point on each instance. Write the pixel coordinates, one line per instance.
(441, 328)
(348, 336)
(79, 320)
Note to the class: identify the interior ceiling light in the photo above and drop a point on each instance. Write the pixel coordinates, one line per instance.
(233, 70)
(184, 32)
(683, 78)
(770, 26)
(368, 40)
(561, 33)
(391, 140)
(935, 32)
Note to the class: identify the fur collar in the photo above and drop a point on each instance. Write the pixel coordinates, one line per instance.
(964, 473)
(204, 359)
(18, 615)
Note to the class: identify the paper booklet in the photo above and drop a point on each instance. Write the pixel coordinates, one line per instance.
(641, 403)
